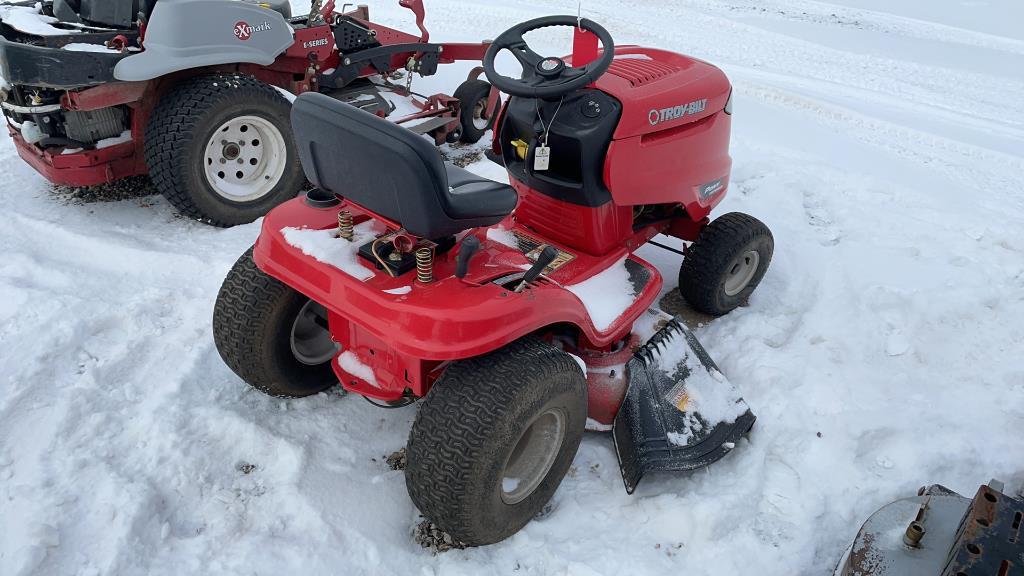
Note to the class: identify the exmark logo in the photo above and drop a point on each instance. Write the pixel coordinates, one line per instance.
(243, 31)
(676, 112)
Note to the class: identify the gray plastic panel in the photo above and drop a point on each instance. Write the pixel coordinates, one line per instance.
(184, 34)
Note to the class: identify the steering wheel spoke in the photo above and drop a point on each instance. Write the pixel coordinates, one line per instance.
(526, 56)
(572, 73)
(546, 77)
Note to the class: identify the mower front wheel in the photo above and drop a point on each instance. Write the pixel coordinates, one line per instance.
(473, 97)
(273, 337)
(494, 438)
(726, 263)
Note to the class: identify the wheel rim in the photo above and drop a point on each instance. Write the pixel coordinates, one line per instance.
(245, 158)
(741, 272)
(533, 456)
(311, 341)
(480, 119)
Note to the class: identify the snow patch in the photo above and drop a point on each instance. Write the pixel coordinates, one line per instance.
(399, 291)
(350, 363)
(595, 426)
(326, 247)
(30, 21)
(606, 295)
(510, 484)
(503, 236)
(123, 138)
(83, 47)
(31, 132)
(287, 95)
(704, 391)
(582, 364)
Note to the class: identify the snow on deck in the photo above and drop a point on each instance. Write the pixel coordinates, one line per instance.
(350, 363)
(606, 295)
(326, 247)
(30, 21)
(881, 141)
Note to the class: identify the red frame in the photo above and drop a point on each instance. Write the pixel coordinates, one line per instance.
(295, 70)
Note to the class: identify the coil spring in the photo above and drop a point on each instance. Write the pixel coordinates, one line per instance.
(425, 265)
(345, 226)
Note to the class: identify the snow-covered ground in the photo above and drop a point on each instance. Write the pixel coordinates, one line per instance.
(883, 143)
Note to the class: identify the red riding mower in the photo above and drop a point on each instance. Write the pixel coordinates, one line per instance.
(513, 312)
(195, 93)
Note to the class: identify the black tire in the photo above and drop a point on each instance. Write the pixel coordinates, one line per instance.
(468, 426)
(470, 94)
(710, 261)
(184, 121)
(252, 328)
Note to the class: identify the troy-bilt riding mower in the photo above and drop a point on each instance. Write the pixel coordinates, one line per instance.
(187, 91)
(514, 312)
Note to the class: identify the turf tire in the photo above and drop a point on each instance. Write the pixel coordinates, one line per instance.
(469, 94)
(252, 322)
(468, 426)
(705, 269)
(182, 124)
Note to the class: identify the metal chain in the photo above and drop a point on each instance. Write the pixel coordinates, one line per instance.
(409, 66)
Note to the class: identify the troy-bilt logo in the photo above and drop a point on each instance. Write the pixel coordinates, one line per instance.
(243, 31)
(676, 112)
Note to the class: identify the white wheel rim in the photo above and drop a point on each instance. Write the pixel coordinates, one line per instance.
(480, 119)
(741, 272)
(245, 158)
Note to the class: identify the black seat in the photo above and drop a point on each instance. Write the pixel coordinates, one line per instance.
(391, 171)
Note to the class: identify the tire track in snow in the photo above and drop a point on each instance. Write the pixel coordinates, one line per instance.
(977, 95)
(976, 168)
(832, 14)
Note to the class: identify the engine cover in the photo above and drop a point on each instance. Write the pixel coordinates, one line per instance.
(672, 141)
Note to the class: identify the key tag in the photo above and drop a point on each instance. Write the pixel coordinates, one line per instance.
(542, 158)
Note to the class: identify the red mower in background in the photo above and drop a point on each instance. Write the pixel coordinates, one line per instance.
(195, 93)
(514, 312)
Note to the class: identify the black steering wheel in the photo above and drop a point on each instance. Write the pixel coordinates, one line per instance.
(551, 77)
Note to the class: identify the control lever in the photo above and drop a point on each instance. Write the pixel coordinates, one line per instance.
(469, 248)
(543, 261)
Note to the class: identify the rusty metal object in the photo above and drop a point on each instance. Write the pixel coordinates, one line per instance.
(946, 535)
(989, 541)
(912, 537)
(345, 225)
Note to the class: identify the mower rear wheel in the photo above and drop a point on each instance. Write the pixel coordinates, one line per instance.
(726, 263)
(273, 337)
(473, 96)
(494, 438)
(220, 148)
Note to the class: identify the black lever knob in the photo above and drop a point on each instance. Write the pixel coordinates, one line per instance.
(469, 248)
(547, 256)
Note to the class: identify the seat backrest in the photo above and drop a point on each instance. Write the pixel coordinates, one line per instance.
(379, 165)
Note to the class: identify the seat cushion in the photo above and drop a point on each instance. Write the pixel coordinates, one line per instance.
(473, 196)
(391, 171)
